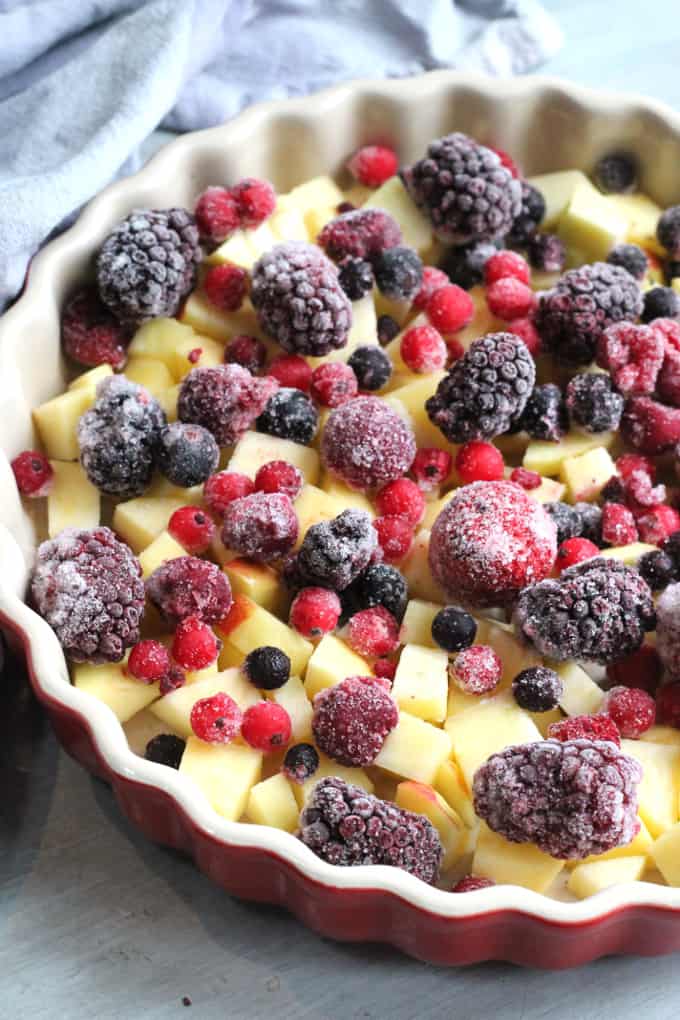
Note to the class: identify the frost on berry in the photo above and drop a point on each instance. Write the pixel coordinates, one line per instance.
(224, 399)
(333, 553)
(262, 526)
(633, 355)
(668, 629)
(367, 443)
(188, 586)
(352, 719)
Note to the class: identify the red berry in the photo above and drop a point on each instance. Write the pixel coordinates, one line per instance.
(632, 463)
(510, 299)
(352, 719)
(292, 371)
(618, 525)
(401, 498)
(373, 165)
(575, 550)
(633, 355)
(266, 726)
(527, 479)
(172, 681)
(223, 488)
(315, 611)
(455, 349)
(423, 349)
(506, 160)
(247, 351)
(395, 535)
(217, 215)
(650, 427)
(333, 384)
(633, 710)
(193, 528)
(642, 669)
(279, 476)
(450, 308)
(471, 883)
(385, 668)
(255, 200)
(373, 632)
(506, 264)
(90, 334)
(476, 670)
(194, 355)
(431, 467)
(226, 286)
(668, 382)
(478, 461)
(33, 473)
(657, 524)
(526, 331)
(216, 720)
(194, 645)
(433, 279)
(668, 705)
(585, 727)
(149, 661)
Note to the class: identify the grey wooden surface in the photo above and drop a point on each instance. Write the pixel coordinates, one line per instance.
(97, 923)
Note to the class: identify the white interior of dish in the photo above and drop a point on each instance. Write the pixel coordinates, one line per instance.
(545, 124)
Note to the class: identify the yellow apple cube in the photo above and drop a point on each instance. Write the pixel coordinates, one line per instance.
(139, 521)
(628, 554)
(558, 189)
(642, 216)
(236, 250)
(588, 879)
(665, 853)
(293, 697)
(158, 339)
(424, 800)
(483, 320)
(287, 222)
(479, 732)
(663, 735)
(416, 570)
(580, 694)
(174, 709)
(162, 549)
(433, 510)
(591, 224)
(248, 626)
(421, 682)
(272, 802)
(313, 506)
(393, 197)
(225, 774)
(208, 320)
(73, 501)
(194, 352)
(449, 781)
(91, 379)
(507, 863)
(317, 193)
(168, 401)
(659, 790)
(328, 767)
(111, 684)
(412, 396)
(151, 373)
(260, 583)
(255, 449)
(546, 458)
(586, 476)
(416, 627)
(342, 493)
(414, 749)
(330, 662)
(56, 422)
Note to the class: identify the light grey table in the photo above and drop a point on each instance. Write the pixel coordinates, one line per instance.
(97, 923)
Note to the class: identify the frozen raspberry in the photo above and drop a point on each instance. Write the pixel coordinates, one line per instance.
(597, 610)
(489, 542)
(464, 189)
(570, 799)
(668, 382)
(172, 680)
(632, 709)
(165, 749)
(655, 526)
(532, 213)
(292, 371)
(642, 669)
(367, 443)
(668, 629)
(290, 414)
(263, 526)
(279, 476)
(216, 720)
(585, 727)
(509, 298)
(526, 479)
(373, 632)
(352, 719)
(657, 568)
(453, 629)
(395, 535)
(371, 366)
(668, 230)
(194, 645)
(545, 414)
(526, 331)
(387, 329)
(633, 355)
(537, 689)
(33, 473)
(247, 351)
(363, 234)
(630, 257)
(431, 467)
(504, 264)
(315, 611)
(547, 253)
(217, 215)
(660, 303)
(485, 391)
(593, 405)
(433, 280)
(398, 273)
(423, 350)
(192, 528)
(188, 586)
(574, 550)
(378, 585)
(333, 384)
(267, 667)
(472, 883)
(223, 488)
(618, 525)
(356, 277)
(225, 399)
(119, 437)
(87, 585)
(450, 309)
(401, 498)
(476, 670)
(300, 763)
(90, 333)
(255, 200)
(149, 661)
(187, 454)
(650, 427)
(333, 553)
(266, 726)
(616, 173)
(226, 286)
(344, 825)
(668, 705)
(372, 165)
(478, 461)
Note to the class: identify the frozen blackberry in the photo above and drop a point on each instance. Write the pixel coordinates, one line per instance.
(616, 173)
(267, 667)
(583, 302)
(537, 689)
(300, 763)
(464, 265)
(224, 399)
(547, 253)
(570, 798)
(567, 520)
(591, 522)
(398, 273)
(545, 414)
(262, 526)
(597, 610)
(356, 278)
(147, 264)
(119, 436)
(388, 328)
(189, 586)
(453, 629)
(672, 269)
(333, 553)
(657, 568)
(367, 443)
(299, 300)
(360, 233)
(289, 414)
(88, 586)
(352, 720)
(660, 303)
(631, 258)
(485, 391)
(668, 230)
(379, 585)
(165, 749)
(372, 367)
(532, 211)
(465, 190)
(593, 403)
(187, 454)
(668, 630)
(344, 825)
(672, 547)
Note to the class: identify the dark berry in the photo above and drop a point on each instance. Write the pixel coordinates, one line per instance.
(398, 273)
(547, 253)
(91, 334)
(545, 413)
(537, 689)
(267, 667)
(333, 553)
(262, 526)
(379, 585)
(300, 763)
(352, 720)
(189, 586)
(643, 669)
(616, 173)
(528, 220)
(631, 258)
(567, 520)
(453, 629)
(591, 517)
(362, 234)
(672, 547)
(668, 230)
(371, 366)
(657, 568)
(387, 328)
(465, 265)
(660, 303)
(187, 454)
(165, 749)
(356, 277)
(289, 414)
(592, 402)
(224, 399)
(367, 443)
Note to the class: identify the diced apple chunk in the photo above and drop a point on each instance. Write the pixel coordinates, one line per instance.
(659, 790)
(259, 582)
(237, 250)
(208, 320)
(112, 685)
(483, 320)
(628, 554)
(586, 476)
(73, 501)
(158, 339)
(557, 189)
(225, 774)
(139, 521)
(272, 802)
(313, 506)
(393, 197)
(91, 379)
(665, 852)
(663, 735)
(56, 422)
(330, 663)
(416, 627)
(416, 570)
(248, 625)
(588, 879)
(590, 224)
(142, 728)
(163, 548)
(642, 216)
(546, 458)
(450, 783)
(411, 396)
(194, 352)
(328, 767)
(421, 682)
(149, 372)
(580, 694)
(424, 800)
(256, 448)
(492, 725)
(175, 708)
(293, 697)
(342, 493)
(414, 749)
(513, 863)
